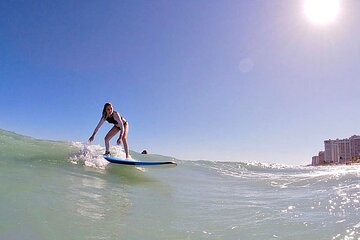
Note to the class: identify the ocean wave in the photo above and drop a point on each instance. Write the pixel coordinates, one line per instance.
(15, 147)
(280, 175)
(18, 147)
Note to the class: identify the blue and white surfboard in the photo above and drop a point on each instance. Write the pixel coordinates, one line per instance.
(136, 162)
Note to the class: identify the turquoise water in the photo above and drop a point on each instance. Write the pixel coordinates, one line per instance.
(66, 190)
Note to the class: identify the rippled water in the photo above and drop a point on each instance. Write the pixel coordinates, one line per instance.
(71, 192)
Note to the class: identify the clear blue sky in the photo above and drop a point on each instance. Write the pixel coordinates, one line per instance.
(248, 80)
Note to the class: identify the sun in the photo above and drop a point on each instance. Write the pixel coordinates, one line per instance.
(321, 12)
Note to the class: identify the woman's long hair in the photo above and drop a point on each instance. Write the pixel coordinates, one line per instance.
(104, 113)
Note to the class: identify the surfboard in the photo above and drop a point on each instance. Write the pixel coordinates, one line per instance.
(136, 162)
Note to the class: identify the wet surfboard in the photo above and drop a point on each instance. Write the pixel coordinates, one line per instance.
(137, 162)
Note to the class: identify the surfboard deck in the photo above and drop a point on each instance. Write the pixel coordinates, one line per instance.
(136, 162)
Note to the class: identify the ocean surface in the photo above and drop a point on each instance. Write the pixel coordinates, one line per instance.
(66, 190)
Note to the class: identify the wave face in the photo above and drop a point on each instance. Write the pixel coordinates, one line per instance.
(17, 147)
(66, 190)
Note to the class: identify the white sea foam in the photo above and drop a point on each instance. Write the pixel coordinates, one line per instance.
(92, 155)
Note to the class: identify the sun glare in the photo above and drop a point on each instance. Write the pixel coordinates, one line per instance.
(321, 12)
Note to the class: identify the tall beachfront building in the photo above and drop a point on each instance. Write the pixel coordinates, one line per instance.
(339, 151)
(355, 145)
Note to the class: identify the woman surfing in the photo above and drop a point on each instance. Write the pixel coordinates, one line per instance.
(120, 125)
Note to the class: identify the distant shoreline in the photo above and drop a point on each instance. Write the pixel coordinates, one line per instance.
(334, 165)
